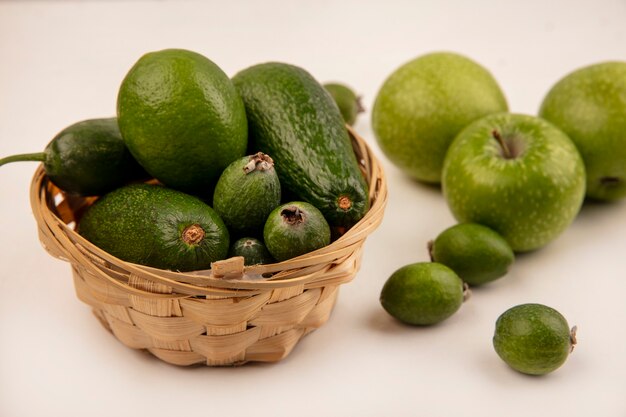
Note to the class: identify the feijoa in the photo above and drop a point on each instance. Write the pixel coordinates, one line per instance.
(422, 293)
(533, 338)
(253, 251)
(476, 253)
(155, 226)
(87, 158)
(294, 229)
(246, 192)
(348, 102)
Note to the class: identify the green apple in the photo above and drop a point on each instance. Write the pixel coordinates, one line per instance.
(590, 106)
(423, 105)
(517, 174)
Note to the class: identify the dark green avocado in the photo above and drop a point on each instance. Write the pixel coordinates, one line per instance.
(292, 118)
(156, 226)
(246, 192)
(87, 158)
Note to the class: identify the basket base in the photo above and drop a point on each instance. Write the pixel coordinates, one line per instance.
(179, 339)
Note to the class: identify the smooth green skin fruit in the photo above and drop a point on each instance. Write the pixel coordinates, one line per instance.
(532, 338)
(294, 229)
(253, 251)
(528, 199)
(425, 103)
(292, 118)
(87, 158)
(590, 106)
(422, 293)
(181, 118)
(244, 198)
(347, 101)
(146, 224)
(476, 253)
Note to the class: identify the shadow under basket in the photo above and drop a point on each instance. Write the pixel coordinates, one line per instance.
(227, 315)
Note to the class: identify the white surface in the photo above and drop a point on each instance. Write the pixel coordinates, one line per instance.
(63, 61)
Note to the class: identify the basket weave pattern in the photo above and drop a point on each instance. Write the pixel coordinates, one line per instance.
(227, 315)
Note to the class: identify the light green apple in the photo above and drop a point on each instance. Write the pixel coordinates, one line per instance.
(423, 105)
(517, 174)
(590, 106)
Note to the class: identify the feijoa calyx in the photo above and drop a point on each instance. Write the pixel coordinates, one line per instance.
(475, 252)
(246, 192)
(294, 229)
(533, 338)
(87, 158)
(156, 226)
(422, 293)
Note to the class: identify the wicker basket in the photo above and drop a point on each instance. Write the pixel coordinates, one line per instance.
(227, 315)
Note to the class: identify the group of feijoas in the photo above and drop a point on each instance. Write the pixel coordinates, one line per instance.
(514, 182)
(198, 167)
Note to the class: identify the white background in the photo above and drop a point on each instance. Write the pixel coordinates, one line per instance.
(61, 62)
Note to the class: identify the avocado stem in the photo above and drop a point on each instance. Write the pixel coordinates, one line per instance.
(344, 203)
(38, 156)
(506, 152)
(193, 234)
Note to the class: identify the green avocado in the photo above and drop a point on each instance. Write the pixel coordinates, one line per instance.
(247, 191)
(292, 118)
(294, 229)
(156, 226)
(87, 158)
(182, 119)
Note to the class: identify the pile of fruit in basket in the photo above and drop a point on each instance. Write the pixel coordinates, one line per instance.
(260, 165)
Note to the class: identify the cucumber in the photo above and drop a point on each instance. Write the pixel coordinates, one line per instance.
(246, 192)
(294, 229)
(292, 117)
(156, 226)
(87, 158)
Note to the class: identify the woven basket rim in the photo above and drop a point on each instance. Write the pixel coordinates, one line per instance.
(235, 278)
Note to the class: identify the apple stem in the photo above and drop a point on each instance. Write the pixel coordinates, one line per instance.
(430, 245)
(505, 149)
